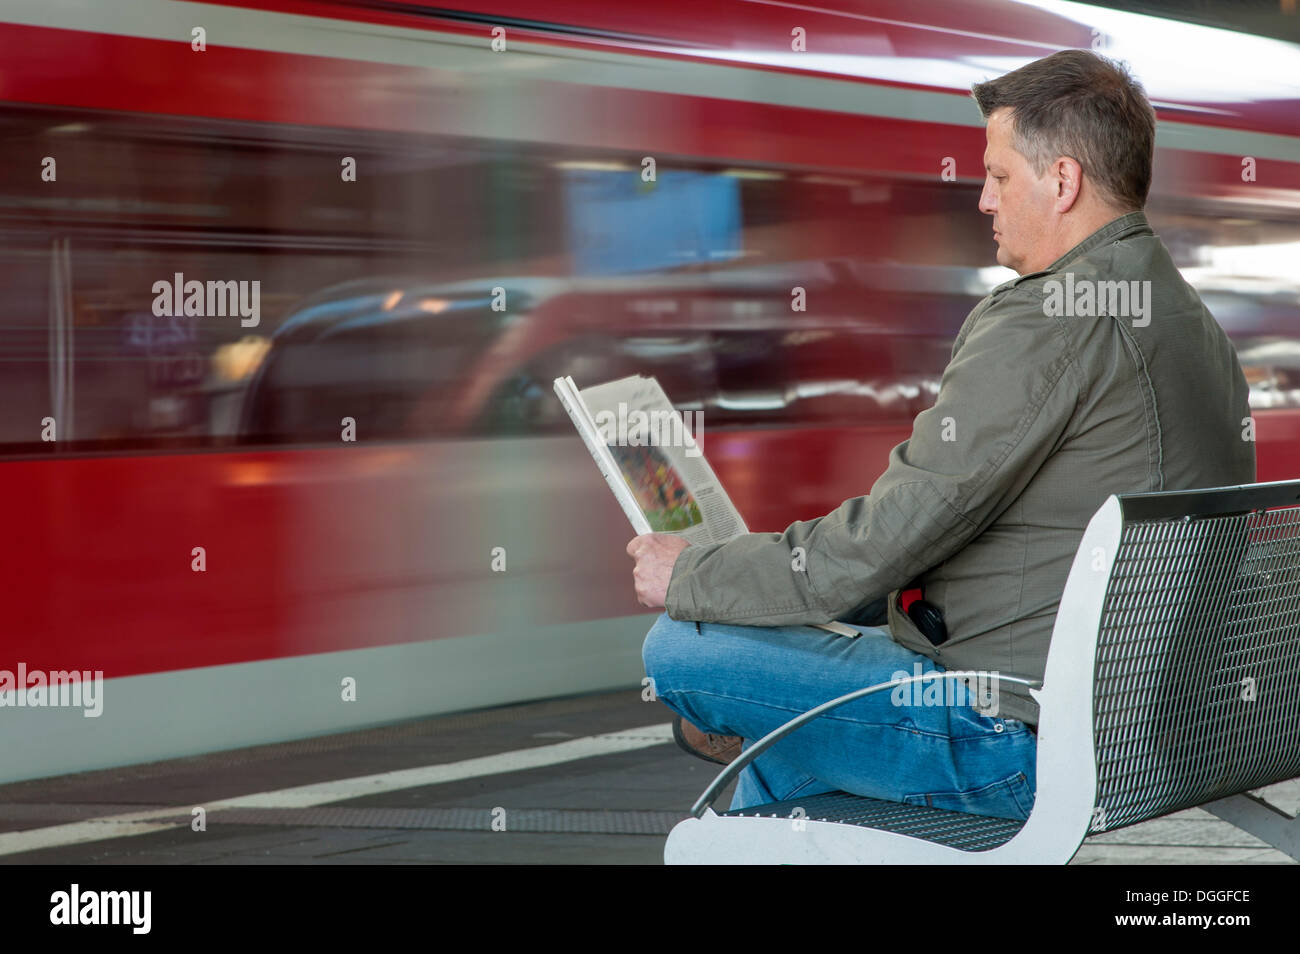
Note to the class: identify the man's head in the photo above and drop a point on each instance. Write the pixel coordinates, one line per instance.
(1070, 144)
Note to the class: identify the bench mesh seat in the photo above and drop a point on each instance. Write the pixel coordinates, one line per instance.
(954, 829)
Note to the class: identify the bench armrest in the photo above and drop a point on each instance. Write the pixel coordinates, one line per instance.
(710, 794)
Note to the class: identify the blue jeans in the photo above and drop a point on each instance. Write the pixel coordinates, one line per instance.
(897, 744)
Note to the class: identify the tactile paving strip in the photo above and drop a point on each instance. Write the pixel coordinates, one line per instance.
(458, 819)
(426, 819)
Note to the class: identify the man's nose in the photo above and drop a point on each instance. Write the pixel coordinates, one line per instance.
(988, 204)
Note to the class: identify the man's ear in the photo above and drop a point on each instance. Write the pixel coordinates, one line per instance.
(1067, 176)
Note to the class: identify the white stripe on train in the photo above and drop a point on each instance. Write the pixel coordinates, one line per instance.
(424, 49)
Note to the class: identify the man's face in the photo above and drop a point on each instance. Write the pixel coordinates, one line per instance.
(1021, 203)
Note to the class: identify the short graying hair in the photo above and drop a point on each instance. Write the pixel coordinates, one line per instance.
(1078, 104)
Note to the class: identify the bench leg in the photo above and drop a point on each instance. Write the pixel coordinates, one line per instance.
(1257, 817)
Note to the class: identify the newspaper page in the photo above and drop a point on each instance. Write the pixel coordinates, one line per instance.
(653, 463)
(671, 481)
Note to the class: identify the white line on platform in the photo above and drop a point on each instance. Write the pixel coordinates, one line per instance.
(321, 793)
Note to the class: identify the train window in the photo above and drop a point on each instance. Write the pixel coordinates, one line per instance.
(395, 368)
(693, 279)
(148, 289)
(25, 342)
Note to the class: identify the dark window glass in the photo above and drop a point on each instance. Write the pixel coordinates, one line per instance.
(440, 293)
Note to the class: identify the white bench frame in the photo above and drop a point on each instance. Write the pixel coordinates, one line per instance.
(1066, 774)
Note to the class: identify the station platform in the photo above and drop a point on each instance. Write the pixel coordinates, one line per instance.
(593, 779)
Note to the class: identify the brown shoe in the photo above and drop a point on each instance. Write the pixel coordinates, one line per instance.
(721, 749)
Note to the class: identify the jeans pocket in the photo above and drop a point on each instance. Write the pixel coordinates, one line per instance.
(1009, 798)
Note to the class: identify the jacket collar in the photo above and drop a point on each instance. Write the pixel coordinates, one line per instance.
(1131, 223)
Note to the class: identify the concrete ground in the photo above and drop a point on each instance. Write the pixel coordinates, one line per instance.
(587, 780)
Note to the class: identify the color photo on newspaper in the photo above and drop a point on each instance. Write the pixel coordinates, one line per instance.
(660, 491)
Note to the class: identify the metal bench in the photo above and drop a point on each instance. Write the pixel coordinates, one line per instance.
(1184, 607)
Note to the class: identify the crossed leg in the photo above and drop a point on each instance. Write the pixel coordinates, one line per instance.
(748, 680)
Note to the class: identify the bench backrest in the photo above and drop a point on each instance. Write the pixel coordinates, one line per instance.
(1196, 688)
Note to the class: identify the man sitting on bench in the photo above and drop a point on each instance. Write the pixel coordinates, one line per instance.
(1046, 407)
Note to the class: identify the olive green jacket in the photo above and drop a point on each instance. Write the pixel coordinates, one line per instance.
(1044, 410)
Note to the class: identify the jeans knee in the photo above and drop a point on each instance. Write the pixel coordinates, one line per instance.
(666, 646)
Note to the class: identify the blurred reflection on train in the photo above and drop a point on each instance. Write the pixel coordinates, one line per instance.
(438, 230)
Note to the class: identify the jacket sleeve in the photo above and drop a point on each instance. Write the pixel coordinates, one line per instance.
(1004, 405)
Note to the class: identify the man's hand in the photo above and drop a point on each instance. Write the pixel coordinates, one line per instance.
(655, 555)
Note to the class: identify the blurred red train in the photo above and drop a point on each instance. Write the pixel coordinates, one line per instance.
(445, 208)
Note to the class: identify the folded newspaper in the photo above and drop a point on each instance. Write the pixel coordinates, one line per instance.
(653, 464)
